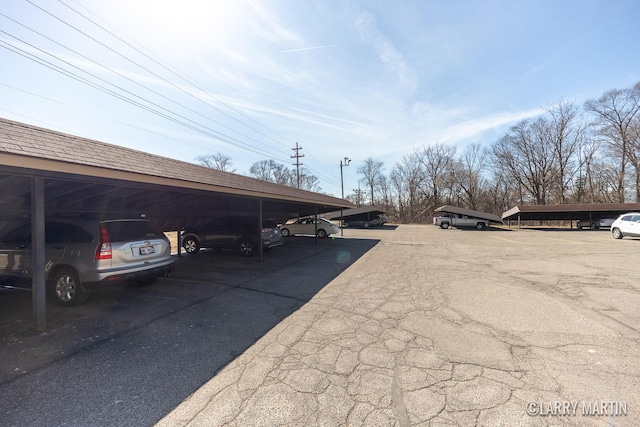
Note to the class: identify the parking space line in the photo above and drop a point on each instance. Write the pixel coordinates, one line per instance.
(573, 242)
(502, 238)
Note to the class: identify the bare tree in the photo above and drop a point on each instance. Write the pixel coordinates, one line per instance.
(565, 135)
(371, 172)
(468, 174)
(437, 161)
(616, 112)
(217, 161)
(585, 184)
(406, 177)
(525, 155)
(272, 171)
(308, 181)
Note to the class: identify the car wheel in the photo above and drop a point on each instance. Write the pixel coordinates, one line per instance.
(191, 245)
(246, 247)
(322, 234)
(444, 225)
(579, 226)
(617, 234)
(366, 225)
(593, 226)
(285, 232)
(480, 226)
(67, 289)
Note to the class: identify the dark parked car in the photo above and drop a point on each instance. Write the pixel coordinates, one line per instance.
(83, 254)
(595, 224)
(363, 223)
(232, 232)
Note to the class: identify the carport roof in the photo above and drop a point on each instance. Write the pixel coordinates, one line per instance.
(468, 212)
(354, 212)
(568, 211)
(30, 150)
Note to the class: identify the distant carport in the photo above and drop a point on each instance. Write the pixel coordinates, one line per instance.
(362, 213)
(44, 173)
(456, 210)
(568, 212)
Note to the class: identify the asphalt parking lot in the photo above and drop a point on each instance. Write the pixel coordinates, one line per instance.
(130, 355)
(403, 326)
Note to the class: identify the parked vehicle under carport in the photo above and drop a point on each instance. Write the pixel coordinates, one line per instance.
(85, 254)
(595, 224)
(362, 223)
(309, 226)
(239, 233)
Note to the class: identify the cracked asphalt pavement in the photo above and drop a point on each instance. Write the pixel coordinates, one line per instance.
(452, 327)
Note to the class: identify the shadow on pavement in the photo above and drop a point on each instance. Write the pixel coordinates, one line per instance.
(386, 227)
(130, 355)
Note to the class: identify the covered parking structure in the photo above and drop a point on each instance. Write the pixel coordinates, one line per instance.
(47, 173)
(568, 212)
(471, 213)
(362, 214)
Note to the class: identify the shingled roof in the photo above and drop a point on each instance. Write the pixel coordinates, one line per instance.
(93, 158)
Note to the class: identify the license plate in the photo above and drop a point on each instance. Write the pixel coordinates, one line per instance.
(146, 250)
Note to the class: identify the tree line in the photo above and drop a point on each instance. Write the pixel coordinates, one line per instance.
(266, 170)
(569, 154)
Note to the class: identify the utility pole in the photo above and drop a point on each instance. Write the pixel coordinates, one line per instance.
(358, 195)
(297, 164)
(346, 163)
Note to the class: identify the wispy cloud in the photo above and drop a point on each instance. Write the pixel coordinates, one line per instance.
(365, 24)
(317, 47)
(474, 128)
(270, 29)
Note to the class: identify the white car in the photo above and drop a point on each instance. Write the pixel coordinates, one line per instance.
(308, 226)
(626, 225)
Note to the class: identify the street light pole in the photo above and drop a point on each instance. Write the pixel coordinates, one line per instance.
(346, 163)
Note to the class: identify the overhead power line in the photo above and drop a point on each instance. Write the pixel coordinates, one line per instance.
(192, 125)
(137, 100)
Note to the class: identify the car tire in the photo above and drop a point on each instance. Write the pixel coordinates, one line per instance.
(246, 247)
(579, 226)
(593, 226)
(480, 226)
(444, 225)
(285, 232)
(191, 245)
(322, 234)
(366, 225)
(617, 234)
(67, 289)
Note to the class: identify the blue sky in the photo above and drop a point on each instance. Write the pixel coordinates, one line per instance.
(342, 78)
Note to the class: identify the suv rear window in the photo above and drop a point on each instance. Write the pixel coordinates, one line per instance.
(122, 231)
(60, 232)
(54, 232)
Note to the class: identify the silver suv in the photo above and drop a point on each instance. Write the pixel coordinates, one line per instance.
(85, 254)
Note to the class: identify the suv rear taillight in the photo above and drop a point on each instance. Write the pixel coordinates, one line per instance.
(103, 251)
